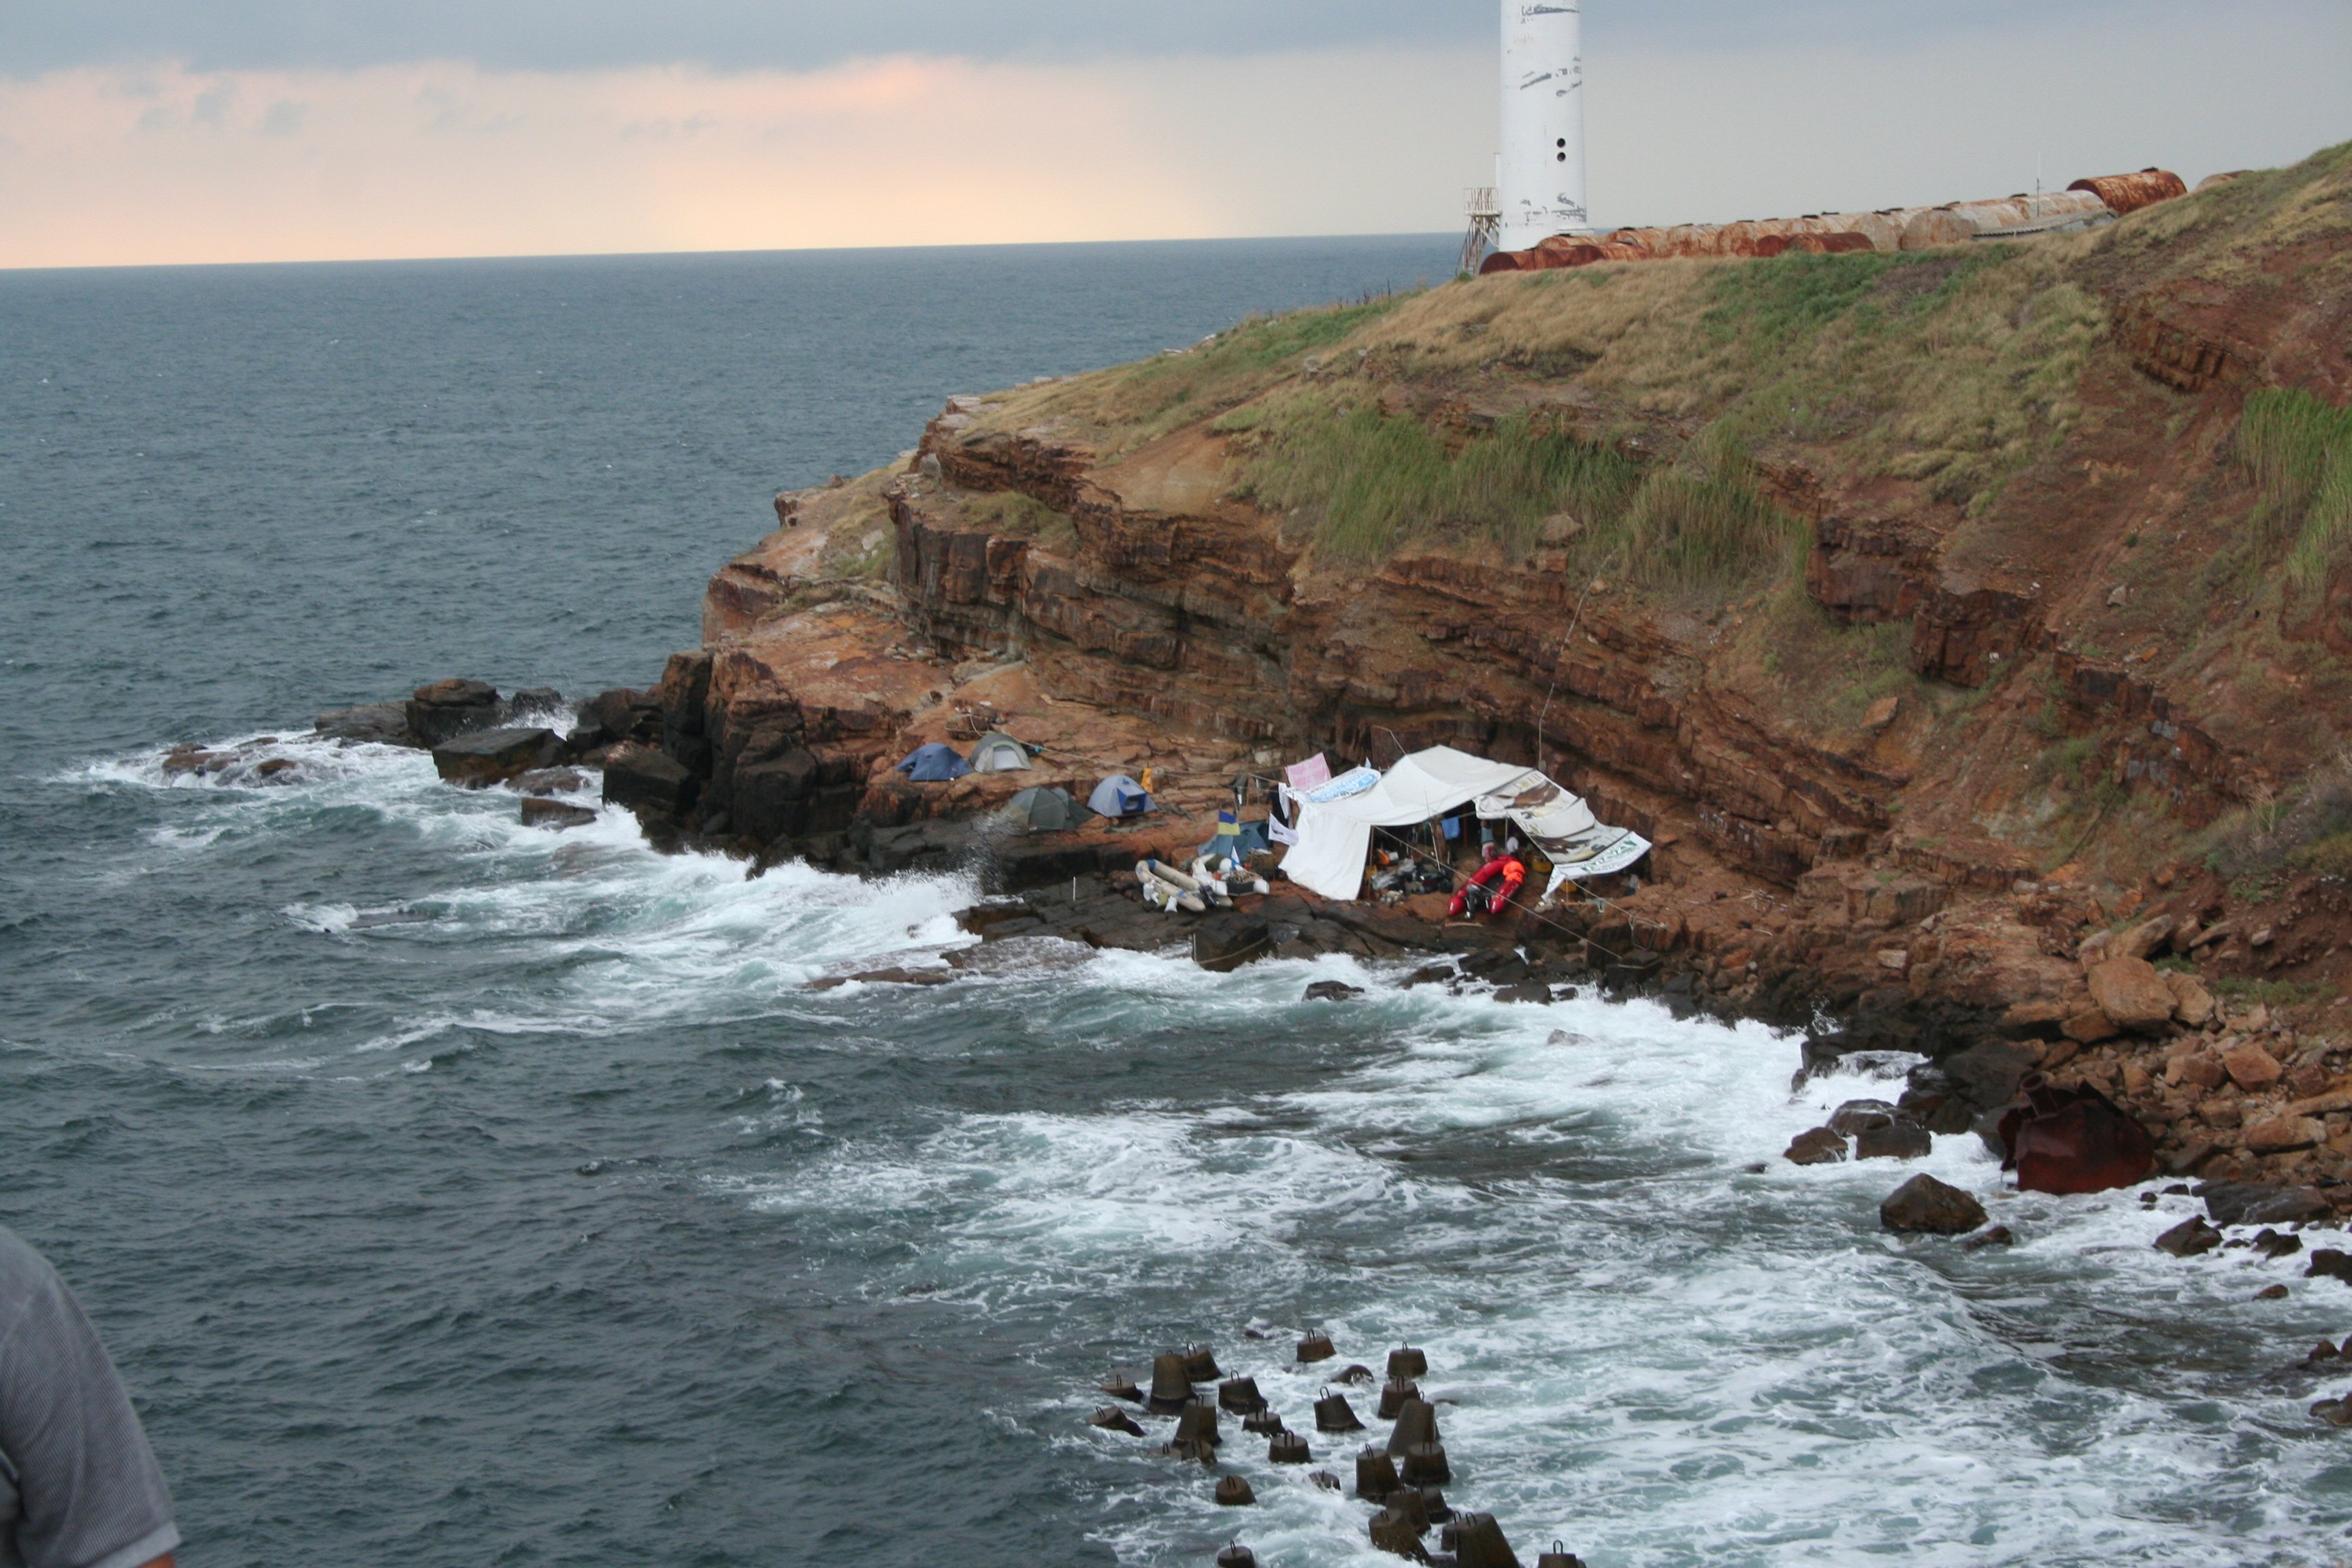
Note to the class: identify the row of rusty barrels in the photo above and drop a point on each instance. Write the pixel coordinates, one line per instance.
(2098, 199)
(1402, 1478)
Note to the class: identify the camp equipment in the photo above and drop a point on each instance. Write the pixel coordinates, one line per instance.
(1166, 887)
(1046, 808)
(933, 763)
(1118, 796)
(999, 753)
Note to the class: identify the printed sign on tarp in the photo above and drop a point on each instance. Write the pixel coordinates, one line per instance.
(1305, 776)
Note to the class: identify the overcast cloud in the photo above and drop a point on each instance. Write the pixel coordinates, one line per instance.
(38, 36)
(140, 130)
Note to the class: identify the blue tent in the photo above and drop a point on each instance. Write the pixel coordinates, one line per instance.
(1251, 837)
(934, 763)
(1118, 796)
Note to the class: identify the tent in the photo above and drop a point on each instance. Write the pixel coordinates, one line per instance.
(934, 763)
(1118, 796)
(1047, 809)
(1335, 832)
(1247, 839)
(999, 753)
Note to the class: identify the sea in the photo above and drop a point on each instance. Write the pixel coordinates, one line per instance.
(453, 1193)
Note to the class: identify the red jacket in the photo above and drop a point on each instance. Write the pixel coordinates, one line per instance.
(1507, 867)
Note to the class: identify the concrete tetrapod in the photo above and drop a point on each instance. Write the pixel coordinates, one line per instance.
(1334, 1414)
(1240, 1395)
(1407, 1363)
(1416, 1422)
(1233, 1492)
(1393, 1393)
(1376, 1475)
(1316, 1347)
(1171, 1384)
(1201, 1364)
(1198, 1424)
(1287, 1448)
(1479, 1542)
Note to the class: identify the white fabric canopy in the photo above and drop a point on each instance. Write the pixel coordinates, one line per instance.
(1334, 837)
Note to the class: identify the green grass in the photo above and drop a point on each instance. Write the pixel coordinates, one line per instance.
(2271, 992)
(2300, 449)
(1367, 483)
(1792, 296)
(1019, 516)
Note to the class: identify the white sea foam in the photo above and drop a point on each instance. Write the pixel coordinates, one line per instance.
(1651, 1335)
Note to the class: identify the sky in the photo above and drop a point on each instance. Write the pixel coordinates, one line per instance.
(142, 132)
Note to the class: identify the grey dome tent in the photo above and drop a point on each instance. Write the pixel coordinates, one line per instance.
(1047, 809)
(999, 753)
(1118, 796)
(933, 763)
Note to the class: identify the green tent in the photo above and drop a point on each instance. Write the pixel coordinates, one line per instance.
(999, 753)
(1047, 809)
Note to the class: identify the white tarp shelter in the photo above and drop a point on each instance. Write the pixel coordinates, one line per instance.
(1335, 834)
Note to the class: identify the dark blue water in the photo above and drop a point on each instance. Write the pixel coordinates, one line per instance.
(455, 1193)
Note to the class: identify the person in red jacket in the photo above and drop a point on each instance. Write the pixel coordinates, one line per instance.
(1493, 885)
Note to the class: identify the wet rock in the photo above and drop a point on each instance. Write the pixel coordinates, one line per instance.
(2189, 1237)
(374, 723)
(1225, 941)
(1431, 974)
(1356, 1372)
(1856, 1114)
(2326, 1351)
(2270, 1294)
(554, 814)
(1925, 1204)
(652, 784)
(2334, 1412)
(1999, 1236)
(1324, 1480)
(2328, 1263)
(1893, 1137)
(483, 757)
(1818, 1146)
(447, 709)
(1987, 1075)
(1524, 991)
(2260, 1203)
(549, 781)
(2276, 1244)
(2130, 992)
(620, 715)
(1331, 991)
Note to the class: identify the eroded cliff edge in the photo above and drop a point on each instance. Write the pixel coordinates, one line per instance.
(1937, 615)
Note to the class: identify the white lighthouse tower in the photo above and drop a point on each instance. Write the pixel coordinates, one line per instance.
(1539, 173)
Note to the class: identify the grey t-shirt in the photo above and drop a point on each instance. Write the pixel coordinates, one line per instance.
(78, 1485)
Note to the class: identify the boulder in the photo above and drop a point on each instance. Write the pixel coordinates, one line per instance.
(1925, 1204)
(1331, 991)
(1818, 1146)
(1987, 1075)
(621, 715)
(1856, 1114)
(2260, 1202)
(2200, 1069)
(2191, 1003)
(1225, 941)
(2032, 1020)
(532, 701)
(1999, 1236)
(483, 757)
(2189, 1237)
(2088, 1026)
(1895, 1138)
(549, 781)
(447, 709)
(770, 801)
(2279, 1134)
(652, 784)
(2251, 1067)
(2327, 1263)
(540, 812)
(377, 723)
(2131, 993)
(1524, 991)
(2142, 939)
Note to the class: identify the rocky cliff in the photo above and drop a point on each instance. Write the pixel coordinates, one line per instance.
(1936, 614)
